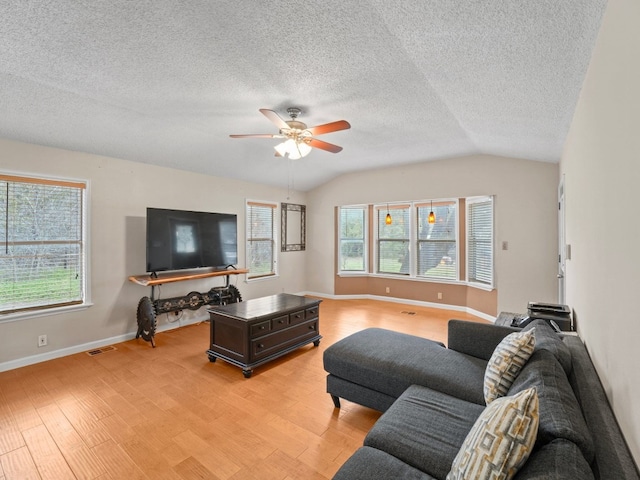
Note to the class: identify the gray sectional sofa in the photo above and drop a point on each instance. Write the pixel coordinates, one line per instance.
(432, 395)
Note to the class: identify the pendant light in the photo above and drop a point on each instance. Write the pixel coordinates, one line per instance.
(432, 216)
(387, 219)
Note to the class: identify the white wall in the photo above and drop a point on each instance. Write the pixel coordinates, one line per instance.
(525, 216)
(120, 191)
(601, 164)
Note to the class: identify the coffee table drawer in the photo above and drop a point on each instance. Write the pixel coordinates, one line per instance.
(272, 343)
(312, 312)
(279, 323)
(259, 329)
(296, 317)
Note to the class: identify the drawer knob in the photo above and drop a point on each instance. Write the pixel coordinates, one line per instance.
(260, 345)
(261, 327)
(312, 327)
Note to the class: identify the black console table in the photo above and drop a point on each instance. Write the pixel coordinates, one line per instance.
(149, 307)
(256, 331)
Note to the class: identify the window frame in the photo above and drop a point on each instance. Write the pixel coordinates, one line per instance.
(383, 209)
(365, 240)
(441, 202)
(84, 244)
(472, 281)
(274, 239)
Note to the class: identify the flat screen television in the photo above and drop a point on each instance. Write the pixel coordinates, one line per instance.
(181, 239)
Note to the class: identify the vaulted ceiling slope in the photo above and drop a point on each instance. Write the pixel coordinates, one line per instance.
(165, 81)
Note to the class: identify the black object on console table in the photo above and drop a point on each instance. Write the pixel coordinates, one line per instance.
(259, 330)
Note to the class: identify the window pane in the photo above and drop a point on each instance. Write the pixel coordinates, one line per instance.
(41, 245)
(352, 239)
(393, 240)
(261, 257)
(261, 238)
(480, 240)
(437, 242)
(393, 256)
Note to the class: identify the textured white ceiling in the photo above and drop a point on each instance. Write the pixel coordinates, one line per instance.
(165, 81)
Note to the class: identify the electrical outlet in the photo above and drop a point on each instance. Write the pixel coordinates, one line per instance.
(439, 295)
(388, 290)
(505, 245)
(42, 341)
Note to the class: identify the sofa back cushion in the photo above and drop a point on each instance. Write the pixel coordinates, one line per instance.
(548, 339)
(559, 459)
(560, 413)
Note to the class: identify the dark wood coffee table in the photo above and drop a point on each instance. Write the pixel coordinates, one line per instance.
(254, 332)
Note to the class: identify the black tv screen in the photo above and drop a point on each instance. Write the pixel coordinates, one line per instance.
(180, 239)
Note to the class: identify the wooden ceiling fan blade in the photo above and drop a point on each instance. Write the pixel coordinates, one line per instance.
(329, 147)
(257, 135)
(329, 127)
(275, 118)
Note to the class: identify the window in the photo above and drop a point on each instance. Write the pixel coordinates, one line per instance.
(42, 257)
(437, 242)
(393, 240)
(352, 239)
(261, 239)
(480, 240)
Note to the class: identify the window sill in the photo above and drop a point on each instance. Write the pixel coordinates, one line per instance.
(480, 286)
(406, 278)
(13, 317)
(261, 279)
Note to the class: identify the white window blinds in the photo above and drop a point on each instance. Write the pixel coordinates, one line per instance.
(393, 239)
(438, 241)
(480, 240)
(42, 262)
(261, 239)
(353, 229)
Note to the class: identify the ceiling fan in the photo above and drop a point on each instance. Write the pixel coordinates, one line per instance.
(299, 139)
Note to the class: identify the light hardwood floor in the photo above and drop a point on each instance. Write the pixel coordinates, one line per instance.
(168, 413)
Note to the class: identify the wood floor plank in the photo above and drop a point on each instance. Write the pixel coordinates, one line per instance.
(192, 469)
(120, 465)
(138, 412)
(208, 454)
(47, 457)
(148, 459)
(19, 465)
(10, 436)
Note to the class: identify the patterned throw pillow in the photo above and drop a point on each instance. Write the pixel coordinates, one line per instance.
(500, 441)
(506, 362)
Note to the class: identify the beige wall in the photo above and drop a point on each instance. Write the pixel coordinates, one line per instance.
(120, 191)
(525, 217)
(601, 164)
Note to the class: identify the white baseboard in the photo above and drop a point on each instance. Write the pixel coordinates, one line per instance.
(85, 347)
(442, 306)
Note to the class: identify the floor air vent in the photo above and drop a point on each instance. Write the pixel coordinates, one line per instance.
(408, 313)
(98, 351)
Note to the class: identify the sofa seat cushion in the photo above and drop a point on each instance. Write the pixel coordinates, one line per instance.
(424, 428)
(560, 413)
(390, 362)
(548, 339)
(559, 459)
(371, 464)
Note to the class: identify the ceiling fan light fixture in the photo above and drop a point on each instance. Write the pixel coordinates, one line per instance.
(294, 150)
(300, 139)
